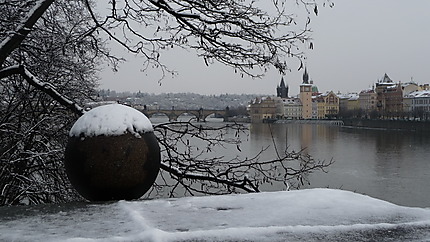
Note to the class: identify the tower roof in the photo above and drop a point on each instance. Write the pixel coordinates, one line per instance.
(386, 79)
(282, 82)
(305, 77)
(282, 89)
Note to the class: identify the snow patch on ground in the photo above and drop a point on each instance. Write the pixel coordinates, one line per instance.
(305, 215)
(111, 120)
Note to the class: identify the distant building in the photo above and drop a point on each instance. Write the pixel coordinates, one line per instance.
(393, 99)
(306, 96)
(353, 103)
(292, 108)
(344, 101)
(367, 100)
(418, 103)
(263, 108)
(386, 99)
(327, 105)
(410, 87)
(315, 91)
(389, 96)
(282, 90)
(314, 108)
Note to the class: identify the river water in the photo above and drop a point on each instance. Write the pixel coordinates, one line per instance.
(390, 165)
(385, 164)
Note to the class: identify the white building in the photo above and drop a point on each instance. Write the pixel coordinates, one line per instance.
(292, 108)
(417, 102)
(368, 100)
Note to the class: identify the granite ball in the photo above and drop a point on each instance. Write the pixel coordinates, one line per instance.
(112, 154)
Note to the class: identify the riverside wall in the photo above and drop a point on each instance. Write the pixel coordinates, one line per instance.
(409, 125)
(337, 122)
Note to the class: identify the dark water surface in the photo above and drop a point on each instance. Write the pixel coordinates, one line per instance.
(390, 165)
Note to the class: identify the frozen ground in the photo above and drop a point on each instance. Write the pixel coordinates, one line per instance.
(306, 215)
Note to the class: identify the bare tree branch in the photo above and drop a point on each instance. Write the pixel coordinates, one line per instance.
(10, 43)
(42, 86)
(192, 167)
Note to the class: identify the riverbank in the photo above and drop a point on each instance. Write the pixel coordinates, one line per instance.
(407, 125)
(310, 121)
(416, 126)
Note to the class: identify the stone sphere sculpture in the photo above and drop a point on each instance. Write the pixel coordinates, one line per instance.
(112, 154)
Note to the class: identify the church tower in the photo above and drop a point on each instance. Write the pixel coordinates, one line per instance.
(282, 90)
(306, 96)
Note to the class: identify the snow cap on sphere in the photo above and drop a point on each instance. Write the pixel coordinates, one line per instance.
(111, 120)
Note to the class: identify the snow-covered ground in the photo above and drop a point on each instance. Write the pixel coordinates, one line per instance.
(305, 215)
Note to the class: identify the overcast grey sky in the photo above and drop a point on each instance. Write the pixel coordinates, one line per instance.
(355, 43)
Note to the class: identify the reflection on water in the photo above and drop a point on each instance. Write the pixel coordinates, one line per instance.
(391, 165)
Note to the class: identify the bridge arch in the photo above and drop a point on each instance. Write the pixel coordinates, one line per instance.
(200, 114)
(188, 114)
(153, 113)
(216, 113)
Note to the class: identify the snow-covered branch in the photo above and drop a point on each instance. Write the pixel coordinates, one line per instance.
(43, 86)
(13, 41)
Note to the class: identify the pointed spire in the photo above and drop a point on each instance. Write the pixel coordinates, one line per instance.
(305, 77)
(282, 82)
(387, 79)
(282, 89)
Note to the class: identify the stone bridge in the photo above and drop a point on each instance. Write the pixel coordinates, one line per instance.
(200, 114)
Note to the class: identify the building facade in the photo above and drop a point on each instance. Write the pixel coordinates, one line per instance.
(327, 105)
(387, 99)
(418, 104)
(306, 96)
(292, 108)
(367, 100)
(389, 96)
(262, 109)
